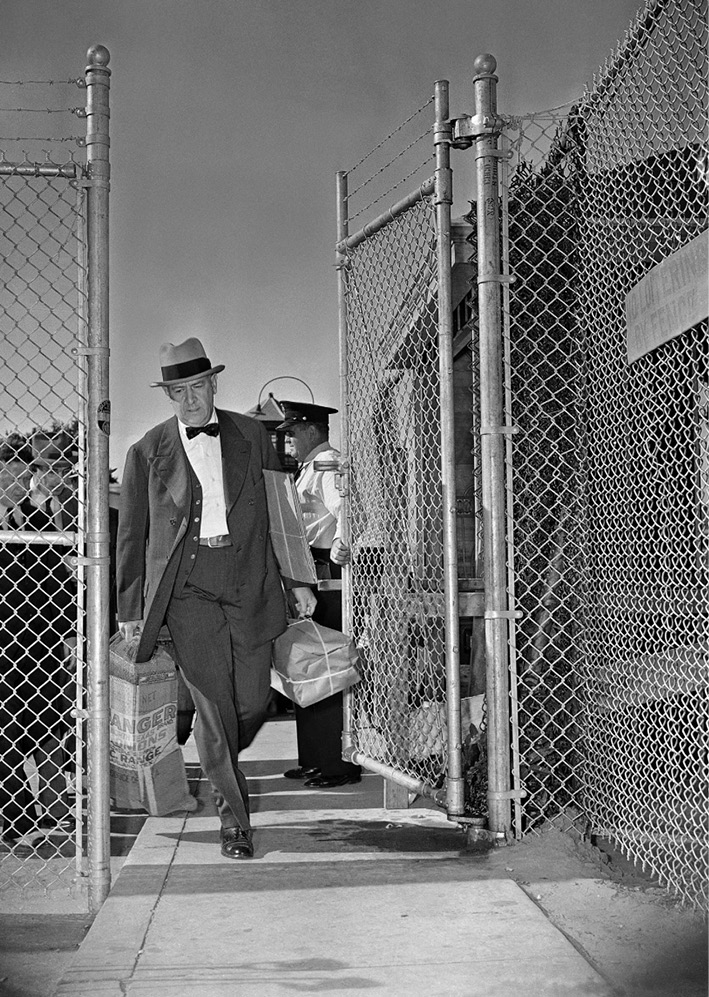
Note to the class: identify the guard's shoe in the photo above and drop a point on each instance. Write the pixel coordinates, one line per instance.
(49, 825)
(236, 843)
(301, 773)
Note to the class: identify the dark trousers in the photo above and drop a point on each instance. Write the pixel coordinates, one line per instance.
(319, 727)
(229, 680)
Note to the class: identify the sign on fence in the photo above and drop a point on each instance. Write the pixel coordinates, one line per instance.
(671, 298)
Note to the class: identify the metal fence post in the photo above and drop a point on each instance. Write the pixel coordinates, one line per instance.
(98, 427)
(492, 443)
(342, 232)
(443, 200)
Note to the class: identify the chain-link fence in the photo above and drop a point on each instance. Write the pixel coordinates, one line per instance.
(610, 462)
(41, 463)
(44, 342)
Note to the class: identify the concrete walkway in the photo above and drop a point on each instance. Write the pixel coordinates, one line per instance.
(341, 896)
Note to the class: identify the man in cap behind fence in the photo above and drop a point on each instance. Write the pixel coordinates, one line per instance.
(193, 551)
(319, 727)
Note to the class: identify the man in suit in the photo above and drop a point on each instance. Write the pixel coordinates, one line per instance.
(319, 727)
(193, 551)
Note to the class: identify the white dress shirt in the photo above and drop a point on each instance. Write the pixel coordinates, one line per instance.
(205, 455)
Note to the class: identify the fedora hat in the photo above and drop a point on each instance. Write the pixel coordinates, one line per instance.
(185, 362)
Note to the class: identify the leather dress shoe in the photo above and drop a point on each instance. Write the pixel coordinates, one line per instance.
(329, 781)
(236, 843)
(301, 773)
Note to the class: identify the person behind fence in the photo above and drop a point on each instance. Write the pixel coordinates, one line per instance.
(36, 593)
(54, 506)
(193, 551)
(319, 727)
(54, 496)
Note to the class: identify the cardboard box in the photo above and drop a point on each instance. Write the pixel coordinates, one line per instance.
(147, 768)
(160, 788)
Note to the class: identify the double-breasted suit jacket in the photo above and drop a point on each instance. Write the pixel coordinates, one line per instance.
(159, 525)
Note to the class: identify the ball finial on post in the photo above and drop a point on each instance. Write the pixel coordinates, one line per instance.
(98, 57)
(485, 64)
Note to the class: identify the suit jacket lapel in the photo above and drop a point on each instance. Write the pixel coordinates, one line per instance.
(171, 465)
(236, 454)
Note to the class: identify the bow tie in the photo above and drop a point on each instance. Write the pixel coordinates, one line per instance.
(211, 429)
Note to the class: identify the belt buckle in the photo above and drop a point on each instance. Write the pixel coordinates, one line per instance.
(215, 539)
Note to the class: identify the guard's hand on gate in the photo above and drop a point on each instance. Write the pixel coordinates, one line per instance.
(131, 630)
(340, 552)
(305, 601)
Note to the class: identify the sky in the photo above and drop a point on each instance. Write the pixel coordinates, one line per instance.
(229, 121)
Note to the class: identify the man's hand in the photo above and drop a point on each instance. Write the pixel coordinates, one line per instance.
(131, 629)
(340, 552)
(304, 600)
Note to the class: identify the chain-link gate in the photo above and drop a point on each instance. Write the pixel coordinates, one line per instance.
(45, 345)
(609, 464)
(395, 527)
(395, 453)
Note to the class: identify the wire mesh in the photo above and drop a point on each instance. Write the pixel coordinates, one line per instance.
(610, 468)
(42, 308)
(398, 710)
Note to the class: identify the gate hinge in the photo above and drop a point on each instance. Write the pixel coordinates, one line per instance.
(95, 181)
(90, 351)
(84, 561)
(495, 154)
(510, 794)
(502, 614)
(497, 278)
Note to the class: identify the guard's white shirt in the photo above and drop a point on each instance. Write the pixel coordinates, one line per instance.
(205, 455)
(320, 500)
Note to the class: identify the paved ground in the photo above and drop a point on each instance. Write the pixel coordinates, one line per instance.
(343, 895)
